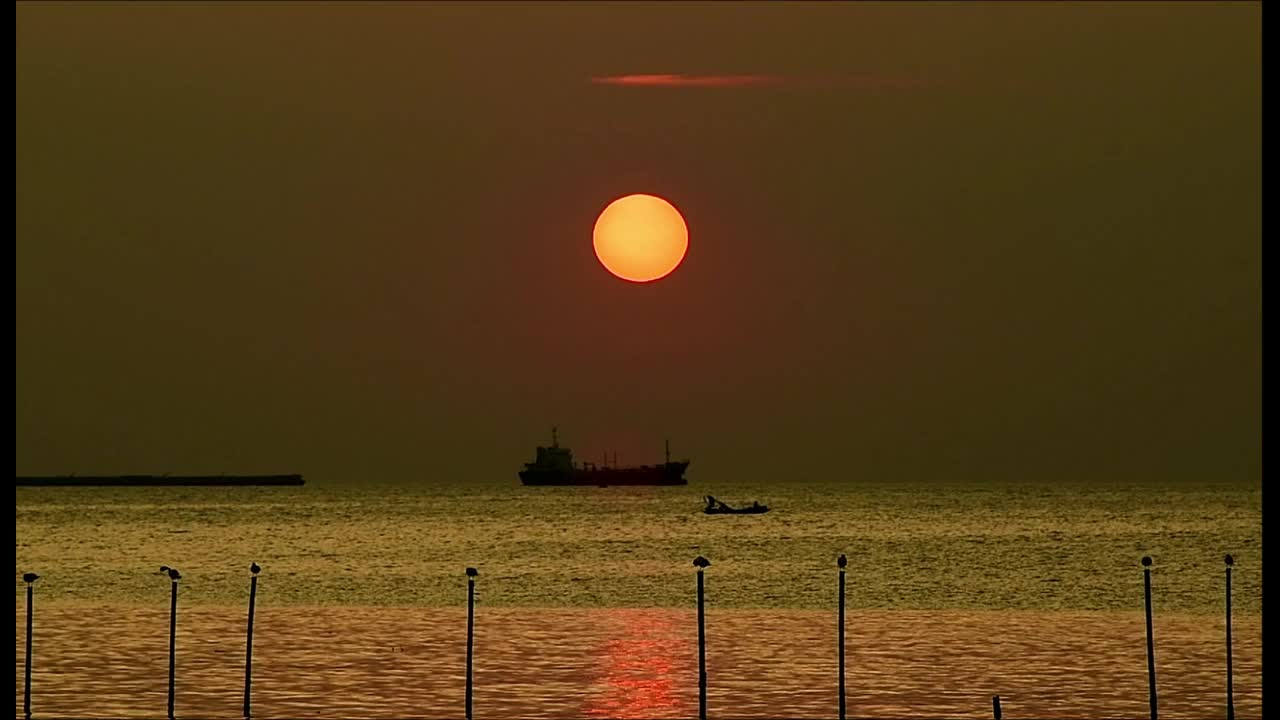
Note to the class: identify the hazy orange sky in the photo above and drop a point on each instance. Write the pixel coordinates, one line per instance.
(963, 240)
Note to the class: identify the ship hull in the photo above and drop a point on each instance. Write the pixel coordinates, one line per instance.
(669, 474)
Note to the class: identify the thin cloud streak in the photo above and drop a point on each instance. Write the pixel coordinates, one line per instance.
(681, 80)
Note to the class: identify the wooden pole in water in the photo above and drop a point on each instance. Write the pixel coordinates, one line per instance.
(248, 642)
(701, 563)
(30, 579)
(471, 624)
(841, 562)
(1230, 701)
(173, 634)
(995, 706)
(1151, 645)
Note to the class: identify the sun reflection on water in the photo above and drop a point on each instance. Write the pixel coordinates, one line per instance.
(638, 665)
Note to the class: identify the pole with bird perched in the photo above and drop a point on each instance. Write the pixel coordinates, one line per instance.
(1151, 645)
(254, 569)
(30, 579)
(841, 562)
(471, 625)
(174, 576)
(701, 563)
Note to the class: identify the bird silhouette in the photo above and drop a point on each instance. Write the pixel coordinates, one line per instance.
(842, 561)
(1146, 561)
(701, 562)
(32, 577)
(1229, 560)
(174, 574)
(164, 569)
(472, 572)
(255, 568)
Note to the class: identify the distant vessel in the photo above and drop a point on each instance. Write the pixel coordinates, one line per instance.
(554, 466)
(158, 480)
(716, 507)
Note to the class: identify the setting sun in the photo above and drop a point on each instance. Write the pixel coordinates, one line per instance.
(640, 238)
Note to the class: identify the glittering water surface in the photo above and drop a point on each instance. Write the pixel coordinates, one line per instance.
(585, 600)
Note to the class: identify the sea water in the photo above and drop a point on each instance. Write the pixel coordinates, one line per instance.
(586, 604)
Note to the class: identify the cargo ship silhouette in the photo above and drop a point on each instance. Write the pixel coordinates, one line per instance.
(554, 466)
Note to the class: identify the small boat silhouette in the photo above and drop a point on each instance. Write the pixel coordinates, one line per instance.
(716, 507)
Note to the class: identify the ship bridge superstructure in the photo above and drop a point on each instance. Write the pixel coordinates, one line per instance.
(554, 458)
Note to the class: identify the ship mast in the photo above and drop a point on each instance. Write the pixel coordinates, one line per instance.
(668, 451)
(554, 442)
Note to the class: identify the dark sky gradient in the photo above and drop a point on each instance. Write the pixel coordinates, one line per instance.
(1005, 241)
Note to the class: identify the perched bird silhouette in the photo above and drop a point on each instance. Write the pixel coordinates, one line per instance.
(164, 569)
(174, 574)
(472, 572)
(701, 562)
(842, 561)
(32, 577)
(255, 568)
(1228, 560)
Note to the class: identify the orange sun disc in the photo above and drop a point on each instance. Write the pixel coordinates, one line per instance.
(640, 238)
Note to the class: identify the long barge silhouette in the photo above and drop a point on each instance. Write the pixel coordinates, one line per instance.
(159, 480)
